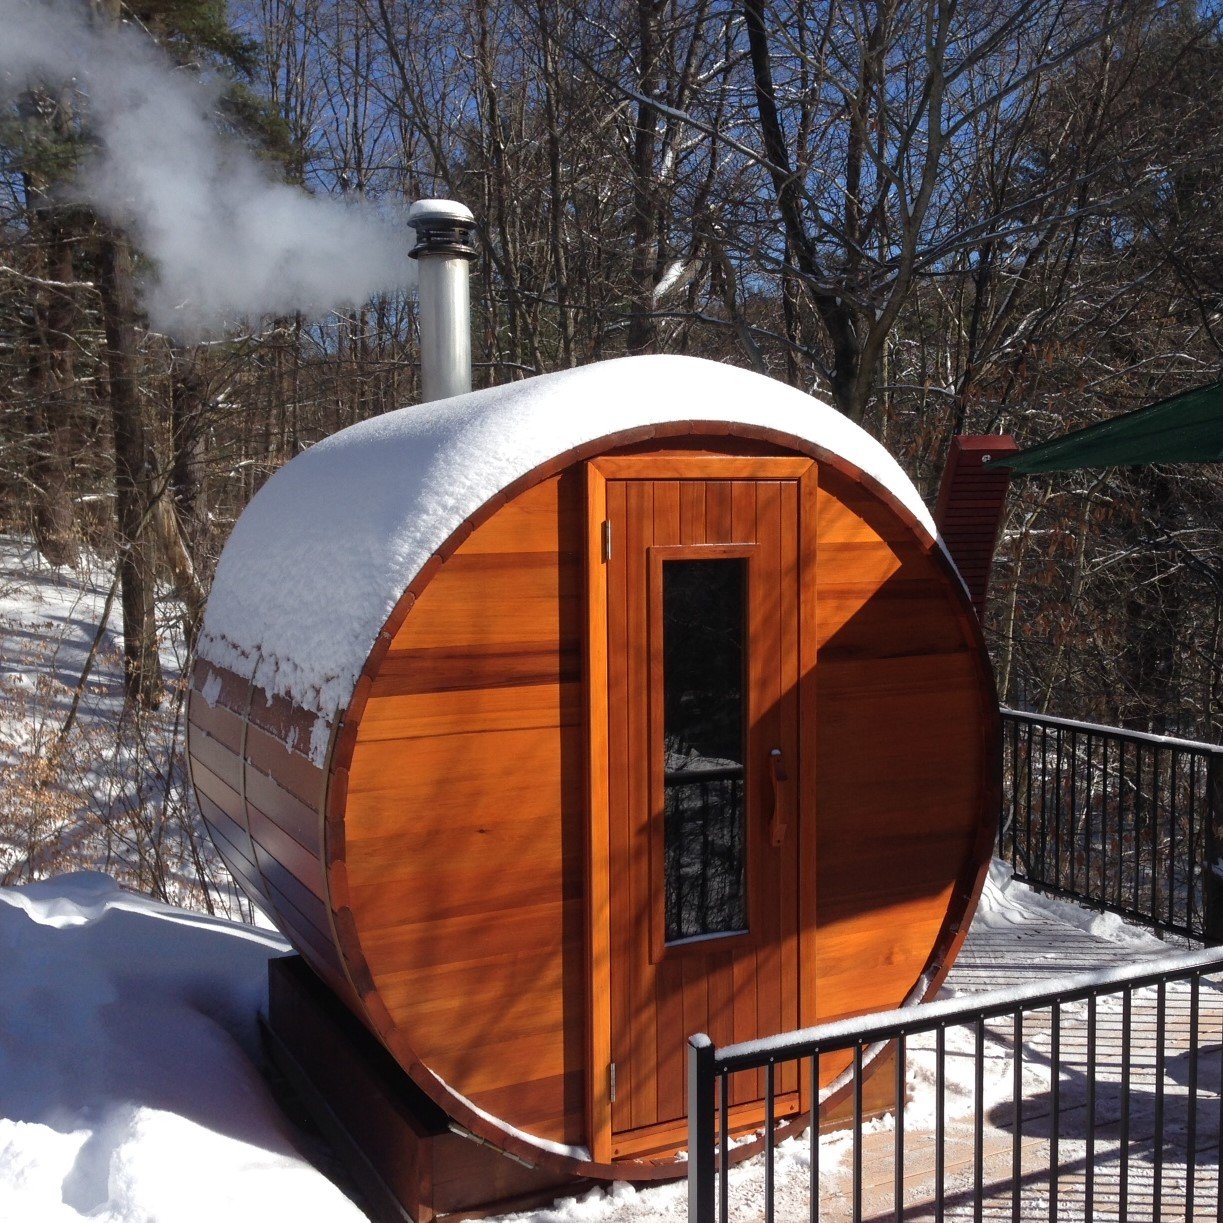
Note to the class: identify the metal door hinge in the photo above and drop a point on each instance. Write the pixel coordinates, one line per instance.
(607, 539)
(611, 1082)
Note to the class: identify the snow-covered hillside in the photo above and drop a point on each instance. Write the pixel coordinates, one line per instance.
(86, 785)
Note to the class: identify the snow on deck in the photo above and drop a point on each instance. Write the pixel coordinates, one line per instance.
(1023, 939)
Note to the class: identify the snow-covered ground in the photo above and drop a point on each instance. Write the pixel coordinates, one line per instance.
(130, 1087)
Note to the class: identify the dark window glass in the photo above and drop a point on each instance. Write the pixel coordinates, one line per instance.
(703, 731)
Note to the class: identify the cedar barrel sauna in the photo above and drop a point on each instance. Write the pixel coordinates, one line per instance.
(556, 722)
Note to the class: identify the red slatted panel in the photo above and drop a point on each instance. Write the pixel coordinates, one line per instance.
(971, 502)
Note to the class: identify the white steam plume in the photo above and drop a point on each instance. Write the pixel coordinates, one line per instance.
(227, 240)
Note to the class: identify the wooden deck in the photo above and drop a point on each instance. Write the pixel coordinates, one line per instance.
(1089, 1158)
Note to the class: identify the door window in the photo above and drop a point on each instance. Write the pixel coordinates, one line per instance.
(703, 631)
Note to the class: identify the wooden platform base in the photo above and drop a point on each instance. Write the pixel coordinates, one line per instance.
(401, 1150)
(397, 1144)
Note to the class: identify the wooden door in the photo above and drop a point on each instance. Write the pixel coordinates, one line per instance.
(702, 563)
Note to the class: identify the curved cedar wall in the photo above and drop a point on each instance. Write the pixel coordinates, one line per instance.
(456, 842)
(906, 727)
(262, 798)
(464, 828)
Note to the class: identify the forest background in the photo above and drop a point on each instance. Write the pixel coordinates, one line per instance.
(942, 216)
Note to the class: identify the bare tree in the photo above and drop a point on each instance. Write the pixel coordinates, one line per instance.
(893, 135)
(136, 479)
(53, 309)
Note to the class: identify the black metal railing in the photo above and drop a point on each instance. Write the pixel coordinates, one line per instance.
(1095, 1095)
(1115, 819)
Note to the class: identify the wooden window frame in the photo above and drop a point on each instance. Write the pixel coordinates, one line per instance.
(660, 949)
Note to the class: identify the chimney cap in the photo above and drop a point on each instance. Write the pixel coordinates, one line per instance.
(443, 227)
(430, 212)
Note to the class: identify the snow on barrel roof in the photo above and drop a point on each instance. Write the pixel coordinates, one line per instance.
(319, 558)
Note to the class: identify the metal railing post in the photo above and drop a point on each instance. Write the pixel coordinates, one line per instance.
(1212, 880)
(701, 1161)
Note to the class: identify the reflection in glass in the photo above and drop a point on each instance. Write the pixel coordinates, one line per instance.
(703, 612)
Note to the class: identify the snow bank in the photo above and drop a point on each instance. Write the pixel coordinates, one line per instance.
(321, 555)
(1008, 905)
(128, 1084)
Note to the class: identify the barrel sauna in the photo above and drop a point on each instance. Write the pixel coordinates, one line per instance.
(556, 722)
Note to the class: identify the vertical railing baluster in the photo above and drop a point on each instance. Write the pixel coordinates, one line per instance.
(1072, 847)
(1123, 1187)
(1017, 1124)
(1157, 1188)
(1135, 801)
(1172, 772)
(978, 1129)
(1153, 821)
(940, 1081)
(1088, 830)
(1057, 808)
(857, 1133)
(1105, 827)
(724, 1147)
(1211, 819)
(1120, 820)
(1014, 776)
(770, 1138)
(898, 1172)
(1212, 838)
(1044, 803)
(1196, 849)
(1030, 737)
(1089, 1186)
(814, 1189)
(1055, 1097)
(1191, 1119)
(1205, 817)
(700, 1129)
(1193, 849)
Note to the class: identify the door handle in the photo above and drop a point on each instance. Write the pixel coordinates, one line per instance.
(778, 777)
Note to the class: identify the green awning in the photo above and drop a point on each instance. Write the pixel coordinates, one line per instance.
(1186, 428)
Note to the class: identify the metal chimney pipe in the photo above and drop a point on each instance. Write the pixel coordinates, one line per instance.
(443, 250)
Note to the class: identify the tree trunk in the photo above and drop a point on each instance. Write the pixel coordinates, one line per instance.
(556, 200)
(187, 447)
(641, 326)
(838, 317)
(51, 369)
(1147, 666)
(134, 477)
(51, 391)
(182, 518)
